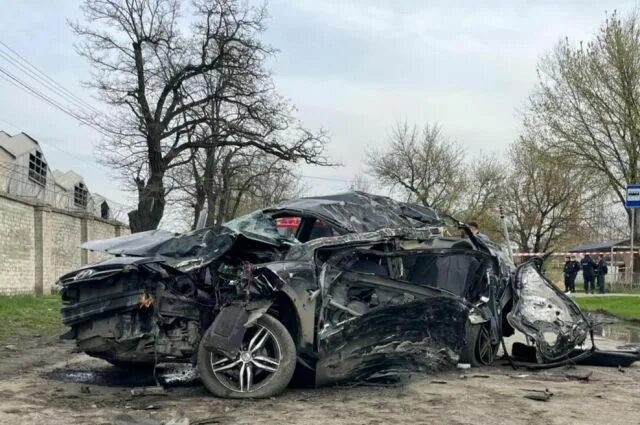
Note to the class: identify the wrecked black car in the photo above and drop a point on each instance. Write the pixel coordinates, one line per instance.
(363, 287)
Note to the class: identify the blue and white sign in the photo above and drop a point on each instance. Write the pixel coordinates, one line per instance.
(633, 196)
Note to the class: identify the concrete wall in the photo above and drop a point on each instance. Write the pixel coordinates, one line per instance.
(39, 243)
(97, 229)
(65, 233)
(17, 247)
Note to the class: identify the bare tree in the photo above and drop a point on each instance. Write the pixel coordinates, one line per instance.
(155, 79)
(242, 181)
(360, 183)
(545, 197)
(483, 194)
(422, 164)
(605, 219)
(588, 100)
(435, 172)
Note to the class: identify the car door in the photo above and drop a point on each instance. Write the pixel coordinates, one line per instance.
(373, 324)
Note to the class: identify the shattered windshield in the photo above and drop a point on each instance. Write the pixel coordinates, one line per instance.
(259, 226)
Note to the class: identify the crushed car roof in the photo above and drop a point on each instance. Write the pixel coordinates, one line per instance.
(359, 212)
(354, 212)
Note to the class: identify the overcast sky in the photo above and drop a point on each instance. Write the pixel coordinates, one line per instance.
(353, 68)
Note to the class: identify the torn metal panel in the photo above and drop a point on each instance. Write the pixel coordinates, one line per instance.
(419, 336)
(193, 249)
(227, 330)
(307, 250)
(546, 315)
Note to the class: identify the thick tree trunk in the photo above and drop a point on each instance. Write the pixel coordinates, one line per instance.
(212, 207)
(151, 203)
(198, 208)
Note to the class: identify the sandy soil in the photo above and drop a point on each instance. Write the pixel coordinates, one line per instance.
(30, 395)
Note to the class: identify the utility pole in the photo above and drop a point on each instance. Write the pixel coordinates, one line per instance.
(633, 202)
(633, 234)
(505, 231)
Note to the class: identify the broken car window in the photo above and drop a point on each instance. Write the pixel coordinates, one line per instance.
(259, 226)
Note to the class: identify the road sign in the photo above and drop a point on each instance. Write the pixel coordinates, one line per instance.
(633, 202)
(633, 196)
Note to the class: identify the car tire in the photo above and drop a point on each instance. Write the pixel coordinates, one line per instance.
(478, 350)
(278, 352)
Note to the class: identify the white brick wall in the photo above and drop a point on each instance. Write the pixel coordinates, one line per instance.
(64, 234)
(99, 230)
(38, 244)
(17, 273)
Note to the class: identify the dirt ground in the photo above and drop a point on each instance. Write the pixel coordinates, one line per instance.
(32, 392)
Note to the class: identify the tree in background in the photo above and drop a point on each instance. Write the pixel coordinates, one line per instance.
(484, 187)
(433, 171)
(546, 198)
(420, 162)
(156, 68)
(588, 100)
(243, 180)
(361, 183)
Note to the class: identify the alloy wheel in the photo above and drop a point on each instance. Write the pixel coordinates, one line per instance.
(253, 366)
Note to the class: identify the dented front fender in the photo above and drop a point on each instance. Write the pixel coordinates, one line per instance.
(227, 331)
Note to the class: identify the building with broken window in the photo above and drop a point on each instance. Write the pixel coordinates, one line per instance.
(45, 214)
(25, 172)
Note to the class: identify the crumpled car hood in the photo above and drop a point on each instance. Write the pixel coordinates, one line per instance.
(135, 245)
(185, 252)
(546, 315)
(161, 243)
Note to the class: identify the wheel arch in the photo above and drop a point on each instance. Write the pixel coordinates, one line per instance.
(284, 309)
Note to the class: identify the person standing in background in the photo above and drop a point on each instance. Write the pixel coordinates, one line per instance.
(568, 270)
(571, 269)
(601, 271)
(576, 269)
(588, 273)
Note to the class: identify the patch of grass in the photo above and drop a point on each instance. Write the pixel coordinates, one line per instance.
(621, 288)
(621, 307)
(26, 315)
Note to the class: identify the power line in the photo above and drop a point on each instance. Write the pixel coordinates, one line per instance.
(47, 77)
(40, 80)
(52, 145)
(26, 87)
(334, 179)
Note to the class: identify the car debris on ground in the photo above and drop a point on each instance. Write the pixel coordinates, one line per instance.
(538, 395)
